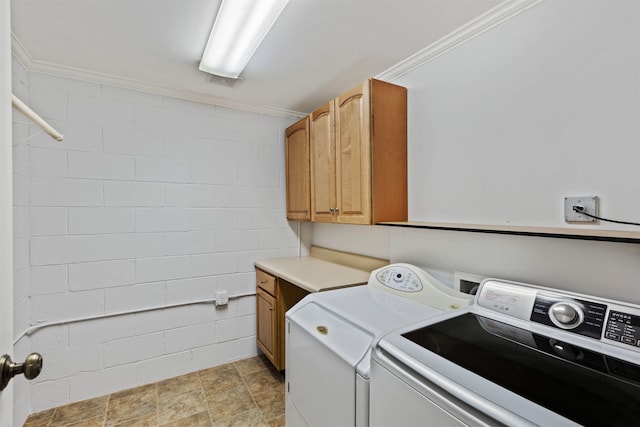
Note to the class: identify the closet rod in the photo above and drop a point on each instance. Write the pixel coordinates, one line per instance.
(22, 107)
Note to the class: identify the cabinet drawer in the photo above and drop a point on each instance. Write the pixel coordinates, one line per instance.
(266, 282)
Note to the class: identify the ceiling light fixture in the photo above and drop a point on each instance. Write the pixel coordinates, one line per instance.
(238, 30)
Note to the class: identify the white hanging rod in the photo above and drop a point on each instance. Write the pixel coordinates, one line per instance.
(22, 107)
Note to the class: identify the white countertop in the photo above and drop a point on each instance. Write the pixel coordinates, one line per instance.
(313, 274)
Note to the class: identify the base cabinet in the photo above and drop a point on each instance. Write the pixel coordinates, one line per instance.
(274, 296)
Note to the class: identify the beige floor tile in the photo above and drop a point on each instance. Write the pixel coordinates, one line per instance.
(263, 381)
(198, 420)
(150, 420)
(223, 396)
(40, 419)
(230, 403)
(178, 385)
(250, 418)
(91, 422)
(136, 390)
(271, 403)
(276, 422)
(252, 365)
(80, 411)
(174, 407)
(220, 381)
(132, 406)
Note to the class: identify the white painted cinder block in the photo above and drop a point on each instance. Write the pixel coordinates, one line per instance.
(64, 192)
(238, 197)
(20, 253)
(190, 242)
(215, 128)
(20, 221)
(100, 166)
(101, 274)
(66, 249)
(190, 148)
(48, 279)
(163, 120)
(77, 137)
(132, 96)
(127, 193)
(133, 141)
(161, 320)
(49, 394)
(237, 240)
(214, 264)
(237, 152)
(58, 306)
(214, 172)
(99, 331)
(20, 190)
(192, 289)
(47, 221)
(234, 328)
(20, 156)
(162, 219)
(86, 385)
(164, 367)
(162, 170)
(101, 220)
(50, 103)
(257, 218)
(190, 195)
(53, 338)
(189, 337)
(67, 362)
(133, 349)
(213, 218)
(163, 268)
(100, 111)
(127, 298)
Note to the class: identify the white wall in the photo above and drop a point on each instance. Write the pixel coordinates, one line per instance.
(148, 201)
(501, 128)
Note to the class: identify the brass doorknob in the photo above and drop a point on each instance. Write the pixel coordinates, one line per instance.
(31, 368)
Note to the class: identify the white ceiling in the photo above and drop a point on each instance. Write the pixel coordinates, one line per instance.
(316, 50)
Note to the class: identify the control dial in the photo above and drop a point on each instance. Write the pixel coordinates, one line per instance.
(566, 314)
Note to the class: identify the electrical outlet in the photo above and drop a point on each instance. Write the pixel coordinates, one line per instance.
(222, 298)
(589, 204)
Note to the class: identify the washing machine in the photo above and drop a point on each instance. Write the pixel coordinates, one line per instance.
(329, 336)
(521, 356)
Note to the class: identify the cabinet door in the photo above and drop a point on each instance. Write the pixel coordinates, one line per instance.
(323, 164)
(266, 325)
(297, 170)
(353, 161)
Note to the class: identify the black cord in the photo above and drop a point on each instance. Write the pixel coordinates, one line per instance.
(580, 210)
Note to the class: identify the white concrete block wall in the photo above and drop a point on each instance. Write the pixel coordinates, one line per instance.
(149, 201)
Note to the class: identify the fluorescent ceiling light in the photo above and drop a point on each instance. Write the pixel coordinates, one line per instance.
(238, 30)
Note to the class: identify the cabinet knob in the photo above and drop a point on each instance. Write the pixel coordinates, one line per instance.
(306, 211)
(336, 210)
(331, 210)
(263, 281)
(270, 308)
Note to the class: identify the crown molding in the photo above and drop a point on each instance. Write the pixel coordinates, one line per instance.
(24, 58)
(492, 18)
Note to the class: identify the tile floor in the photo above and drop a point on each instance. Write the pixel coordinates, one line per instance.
(248, 392)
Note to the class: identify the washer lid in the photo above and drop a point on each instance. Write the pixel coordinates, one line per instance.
(583, 385)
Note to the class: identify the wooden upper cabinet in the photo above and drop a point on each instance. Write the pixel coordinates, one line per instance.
(323, 164)
(359, 156)
(297, 170)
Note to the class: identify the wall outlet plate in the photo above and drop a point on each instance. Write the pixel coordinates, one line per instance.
(222, 298)
(590, 205)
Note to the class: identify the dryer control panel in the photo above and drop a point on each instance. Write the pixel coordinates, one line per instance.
(414, 283)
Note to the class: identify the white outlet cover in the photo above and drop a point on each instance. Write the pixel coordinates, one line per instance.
(590, 204)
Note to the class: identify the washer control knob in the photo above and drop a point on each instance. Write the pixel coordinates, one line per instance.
(566, 315)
